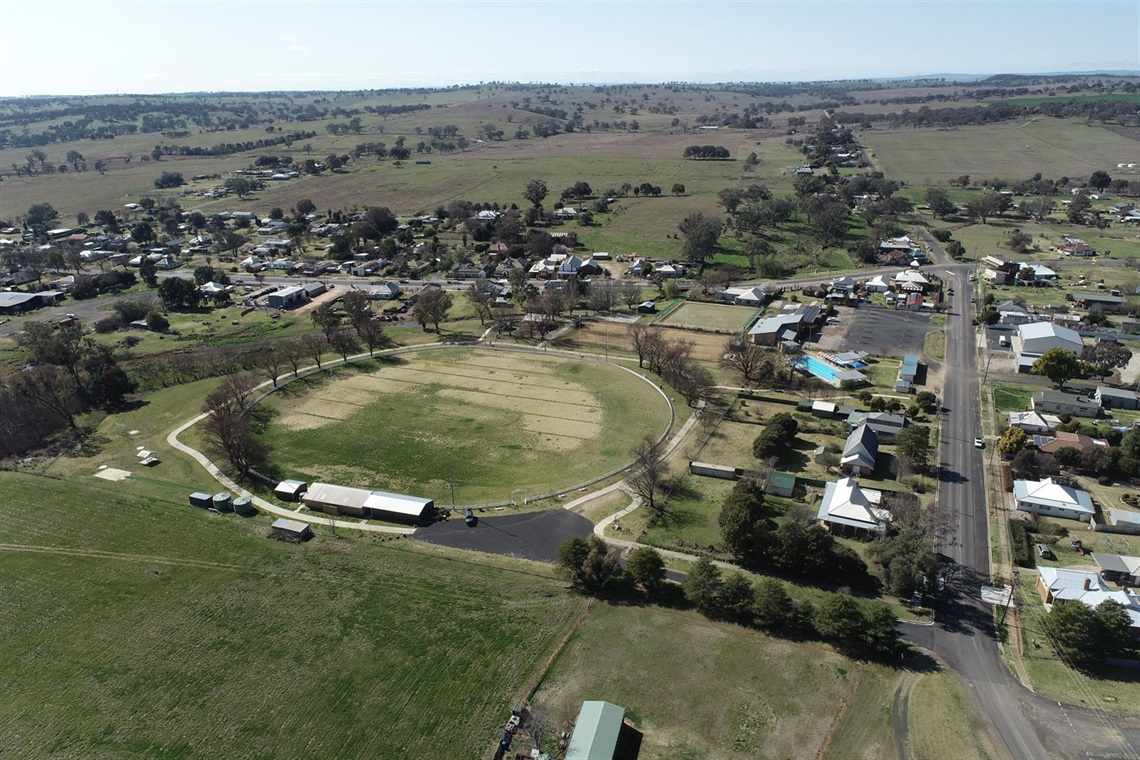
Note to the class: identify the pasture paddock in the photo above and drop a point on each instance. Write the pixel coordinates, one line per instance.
(141, 629)
(1011, 150)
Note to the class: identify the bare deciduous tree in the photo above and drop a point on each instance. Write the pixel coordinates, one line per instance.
(649, 471)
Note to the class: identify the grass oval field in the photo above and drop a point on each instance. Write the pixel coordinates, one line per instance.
(492, 422)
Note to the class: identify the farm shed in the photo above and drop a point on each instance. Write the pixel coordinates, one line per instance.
(600, 733)
(1121, 521)
(290, 490)
(372, 505)
(290, 530)
(203, 500)
(287, 298)
(780, 484)
(714, 470)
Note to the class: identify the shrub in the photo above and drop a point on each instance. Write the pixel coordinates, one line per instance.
(108, 325)
(1020, 544)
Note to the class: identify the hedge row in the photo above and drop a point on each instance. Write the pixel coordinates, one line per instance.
(1020, 544)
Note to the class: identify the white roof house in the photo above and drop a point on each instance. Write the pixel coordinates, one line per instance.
(879, 284)
(1034, 422)
(1057, 584)
(860, 450)
(846, 504)
(1046, 497)
(1038, 337)
(911, 277)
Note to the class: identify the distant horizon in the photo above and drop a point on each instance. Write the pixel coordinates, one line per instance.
(202, 46)
(957, 78)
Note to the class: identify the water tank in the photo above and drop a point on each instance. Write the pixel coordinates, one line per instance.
(223, 502)
(244, 506)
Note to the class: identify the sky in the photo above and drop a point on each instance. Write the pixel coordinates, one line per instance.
(61, 47)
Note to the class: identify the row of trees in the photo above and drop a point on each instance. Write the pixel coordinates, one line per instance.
(671, 359)
(707, 152)
(856, 628)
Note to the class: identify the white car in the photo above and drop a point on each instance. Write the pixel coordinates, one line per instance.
(979, 443)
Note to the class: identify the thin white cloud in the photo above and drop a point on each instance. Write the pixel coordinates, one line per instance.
(299, 48)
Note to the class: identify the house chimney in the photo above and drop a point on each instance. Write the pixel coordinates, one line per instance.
(1088, 582)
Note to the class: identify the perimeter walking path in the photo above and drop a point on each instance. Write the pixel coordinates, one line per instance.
(266, 506)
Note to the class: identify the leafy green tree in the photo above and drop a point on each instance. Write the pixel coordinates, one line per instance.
(840, 621)
(432, 308)
(880, 630)
(913, 443)
(939, 202)
(169, 179)
(179, 293)
(702, 586)
(535, 192)
(142, 233)
(1012, 441)
(41, 215)
(737, 599)
(1100, 180)
(1113, 628)
(744, 528)
(357, 307)
(1060, 365)
(1106, 355)
(647, 569)
(157, 322)
(1073, 627)
(701, 233)
(587, 562)
(773, 607)
(1019, 241)
(780, 430)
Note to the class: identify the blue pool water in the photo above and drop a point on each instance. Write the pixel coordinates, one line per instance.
(822, 370)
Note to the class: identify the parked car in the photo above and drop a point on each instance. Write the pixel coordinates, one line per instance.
(979, 443)
(1045, 551)
(469, 517)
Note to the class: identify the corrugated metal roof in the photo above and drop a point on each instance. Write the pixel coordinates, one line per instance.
(596, 732)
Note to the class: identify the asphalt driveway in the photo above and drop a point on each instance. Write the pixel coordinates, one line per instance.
(886, 332)
(534, 535)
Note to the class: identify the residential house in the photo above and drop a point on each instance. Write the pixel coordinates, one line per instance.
(850, 509)
(1056, 584)
(844, 284)
(883, 423)
(1062, 440)
(860, 451)
(880, 284)
(569, 267)
(753, 296)
(1051, 499)
(912, 280)
(1056, 402)
(1037, 273)
(670, 271)
(1116, 398)
(589, 268)
(1034, 423)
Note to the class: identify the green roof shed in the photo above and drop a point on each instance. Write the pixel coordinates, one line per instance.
(596, 732)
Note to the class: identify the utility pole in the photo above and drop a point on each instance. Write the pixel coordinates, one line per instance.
(451, 474)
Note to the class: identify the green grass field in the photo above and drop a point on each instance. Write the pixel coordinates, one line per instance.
(699, 689)
(1011, 398)
(494, 422)
(143, 630)
(1013, 150)
(713, 317)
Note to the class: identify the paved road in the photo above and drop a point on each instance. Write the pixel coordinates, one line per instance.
(533, 535)
(1029, 727)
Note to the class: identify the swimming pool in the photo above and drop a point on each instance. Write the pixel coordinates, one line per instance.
(822, 370)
